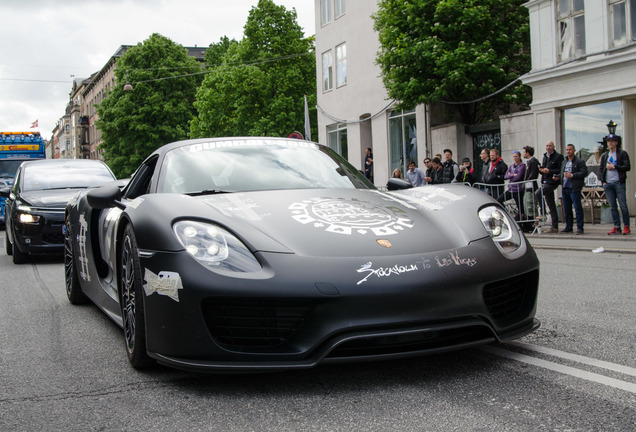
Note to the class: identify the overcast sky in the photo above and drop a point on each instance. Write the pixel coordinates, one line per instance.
(45, 43)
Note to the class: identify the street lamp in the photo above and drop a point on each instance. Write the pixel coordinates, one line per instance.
(611, 127)
(128, 87)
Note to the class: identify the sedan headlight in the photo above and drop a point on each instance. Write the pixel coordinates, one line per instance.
(501, 227)
(215, 247)
(25, 216)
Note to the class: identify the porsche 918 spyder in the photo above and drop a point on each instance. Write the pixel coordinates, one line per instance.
(255, 254)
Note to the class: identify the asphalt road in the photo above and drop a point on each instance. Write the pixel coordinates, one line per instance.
(64, 368)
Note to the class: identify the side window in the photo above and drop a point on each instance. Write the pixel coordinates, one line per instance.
(327, 71)
(16, 181)
(140, 183)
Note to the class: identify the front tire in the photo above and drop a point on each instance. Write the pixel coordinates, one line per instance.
(19, 257)
(8, 247)
(73, 289)
(132, 301)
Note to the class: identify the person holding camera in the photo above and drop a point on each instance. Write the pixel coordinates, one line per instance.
(550, 168)
(466, 172)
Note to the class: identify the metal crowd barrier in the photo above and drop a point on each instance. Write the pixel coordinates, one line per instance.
(526, 205)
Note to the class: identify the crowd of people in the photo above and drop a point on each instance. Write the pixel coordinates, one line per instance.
(531, 196)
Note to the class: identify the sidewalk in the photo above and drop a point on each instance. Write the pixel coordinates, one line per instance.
(595, 237)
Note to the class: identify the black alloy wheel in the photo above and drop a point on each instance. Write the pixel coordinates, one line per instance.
(132, 304)
(73, 289)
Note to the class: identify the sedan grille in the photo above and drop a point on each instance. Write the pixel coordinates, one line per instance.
(511, 298)
(254, 323)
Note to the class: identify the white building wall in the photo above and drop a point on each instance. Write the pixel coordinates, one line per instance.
(364, 95)
(604, 73)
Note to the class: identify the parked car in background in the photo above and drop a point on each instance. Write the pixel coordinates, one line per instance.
(247, 254)
(34, 206)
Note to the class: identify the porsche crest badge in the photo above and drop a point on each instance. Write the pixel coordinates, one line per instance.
(384, 243)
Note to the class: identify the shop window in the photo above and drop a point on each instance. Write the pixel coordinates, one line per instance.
(337, 139)
(402, 140)
(585, 127)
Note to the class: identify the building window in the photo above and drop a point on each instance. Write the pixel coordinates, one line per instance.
(325, 12)
(327, 71)
(337, 138)
(341, 65)
(402, 139)
(585, 127)
(623, 21)
(68, 145)
(571, 23)
(340, 8)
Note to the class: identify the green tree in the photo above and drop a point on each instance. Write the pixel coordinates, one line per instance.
(215, 53)
(258, 86)
(455, 51)
(157, 110)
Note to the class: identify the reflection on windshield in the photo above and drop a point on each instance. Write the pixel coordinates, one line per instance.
(57, 176)
(8, 168)
(252, 165)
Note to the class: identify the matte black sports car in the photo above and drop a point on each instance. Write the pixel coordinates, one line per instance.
(264, 253)
(35, 203)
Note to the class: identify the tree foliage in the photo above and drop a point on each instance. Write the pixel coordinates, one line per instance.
(256, 86)
(158, 109)
(455, 51)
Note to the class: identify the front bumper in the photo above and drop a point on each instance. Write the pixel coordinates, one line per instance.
(45, 236)
(303, 311)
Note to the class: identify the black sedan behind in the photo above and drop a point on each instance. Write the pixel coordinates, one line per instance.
(35, 204)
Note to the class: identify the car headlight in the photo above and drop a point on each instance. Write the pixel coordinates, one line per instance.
(501, 227)
(215, 247)
(25, 216)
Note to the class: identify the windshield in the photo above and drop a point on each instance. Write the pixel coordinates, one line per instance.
(64, 176)
(8, 169)
(252, 165)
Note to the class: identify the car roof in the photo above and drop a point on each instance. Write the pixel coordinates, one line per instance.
(63, 161)
(183, 143)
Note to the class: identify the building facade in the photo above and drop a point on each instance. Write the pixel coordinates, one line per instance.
(583, 75)
(78, 135)
(354, 111)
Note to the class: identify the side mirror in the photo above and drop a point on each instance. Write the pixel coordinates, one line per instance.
(105, 197)
(5, 192)
(398, 184)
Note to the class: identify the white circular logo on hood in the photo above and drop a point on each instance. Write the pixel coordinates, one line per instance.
(350, 216)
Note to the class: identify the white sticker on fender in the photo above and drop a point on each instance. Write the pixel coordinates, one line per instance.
(166, 283)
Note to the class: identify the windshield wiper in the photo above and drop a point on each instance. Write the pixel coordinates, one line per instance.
(208, 192)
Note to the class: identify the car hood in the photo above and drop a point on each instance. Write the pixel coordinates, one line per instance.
(348, 222)
(52, 198)
(323, 222)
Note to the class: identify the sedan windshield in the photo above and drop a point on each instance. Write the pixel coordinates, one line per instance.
(252, 165)
(65, 176)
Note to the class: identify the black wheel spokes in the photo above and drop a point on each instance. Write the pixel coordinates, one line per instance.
(68, 259)
(128, 293)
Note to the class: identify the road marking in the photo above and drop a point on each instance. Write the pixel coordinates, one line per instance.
(567, 370)
(577, 358)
